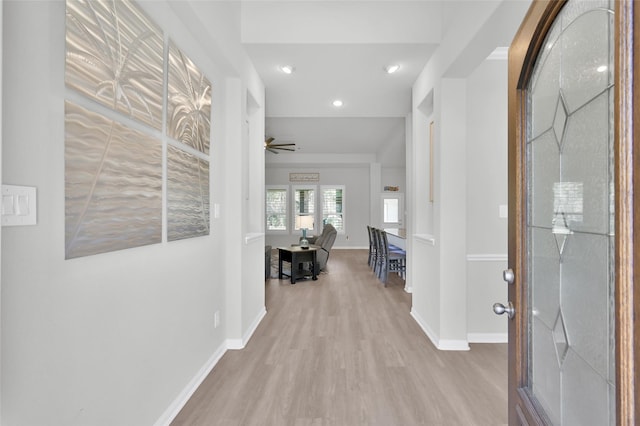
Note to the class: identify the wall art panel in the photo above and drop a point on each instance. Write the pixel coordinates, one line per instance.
(187, 195)
(113, 185)
(115, 56)
(189, 102)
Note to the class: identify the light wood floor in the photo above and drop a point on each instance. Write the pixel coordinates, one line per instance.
(344, 350)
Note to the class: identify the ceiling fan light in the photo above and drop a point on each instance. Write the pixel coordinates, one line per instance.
(337, 103)
(287, 69)
(390, 69)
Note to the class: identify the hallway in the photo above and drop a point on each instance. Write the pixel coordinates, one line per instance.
(344, 350)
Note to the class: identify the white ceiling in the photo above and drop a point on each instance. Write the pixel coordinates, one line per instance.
(339, 50)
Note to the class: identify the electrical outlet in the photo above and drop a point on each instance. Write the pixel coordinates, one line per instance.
(216, 319)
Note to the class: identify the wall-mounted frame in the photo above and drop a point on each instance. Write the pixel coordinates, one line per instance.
(304, 177)
(113, 184)
(188, 101)
(431, 142)
(114, 56)
(187, 197)
(116, 166)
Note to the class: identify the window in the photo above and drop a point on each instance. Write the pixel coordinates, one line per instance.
(303, 213)
(304, 207)
(390, 210)
(333, 206)
(276, 208)
(392, 204)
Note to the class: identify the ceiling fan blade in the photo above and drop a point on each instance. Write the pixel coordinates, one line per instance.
(272, 147)
(280, 144)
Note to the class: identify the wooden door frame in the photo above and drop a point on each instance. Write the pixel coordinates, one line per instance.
(626, 155)
(522, 55)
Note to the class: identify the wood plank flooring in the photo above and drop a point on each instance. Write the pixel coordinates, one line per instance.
(343, 350)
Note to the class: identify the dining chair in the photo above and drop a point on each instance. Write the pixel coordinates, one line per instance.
(390, 260)
(372, 248)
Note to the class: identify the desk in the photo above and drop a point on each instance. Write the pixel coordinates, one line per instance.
(297, 255)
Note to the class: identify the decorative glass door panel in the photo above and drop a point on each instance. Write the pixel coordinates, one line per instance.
(570, 218)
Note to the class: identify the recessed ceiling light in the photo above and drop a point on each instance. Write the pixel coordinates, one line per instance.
(287, 69)
(392, 68)
(601, 68)
(337, 103)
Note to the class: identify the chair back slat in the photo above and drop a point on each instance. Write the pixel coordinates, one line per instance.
(387, 260)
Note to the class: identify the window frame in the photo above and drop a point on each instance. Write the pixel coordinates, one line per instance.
(294, 212)
(401, 209)
(343, 214)
(287, 222)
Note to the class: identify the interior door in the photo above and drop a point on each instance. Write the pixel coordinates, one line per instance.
(571, 204)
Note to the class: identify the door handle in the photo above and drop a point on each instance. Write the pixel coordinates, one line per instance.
(500, 309)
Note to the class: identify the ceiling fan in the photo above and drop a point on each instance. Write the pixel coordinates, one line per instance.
(273, 147)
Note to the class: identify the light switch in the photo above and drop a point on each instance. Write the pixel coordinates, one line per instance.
(19, 205)
(22, 205)
(7, 204)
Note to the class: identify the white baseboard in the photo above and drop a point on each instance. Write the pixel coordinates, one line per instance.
(440, 344)
(350, 248)
(235, 344)
(423, 325)
(172, 411)
(453, 345)
(488, 337)
(254, 325)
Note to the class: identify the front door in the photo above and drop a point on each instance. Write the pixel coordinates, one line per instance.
(571, 204)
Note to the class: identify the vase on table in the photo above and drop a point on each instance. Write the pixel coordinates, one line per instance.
(304, 243)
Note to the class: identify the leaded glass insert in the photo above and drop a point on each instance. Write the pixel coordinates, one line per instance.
(569, 218)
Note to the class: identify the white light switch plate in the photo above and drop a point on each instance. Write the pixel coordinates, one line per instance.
(19, 205)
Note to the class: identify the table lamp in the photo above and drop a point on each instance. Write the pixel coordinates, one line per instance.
(304, 223)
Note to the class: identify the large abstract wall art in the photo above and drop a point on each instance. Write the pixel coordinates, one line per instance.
(113, 185)
(188, 121)
(187, 195)
(115, 56)
(113, 154)
(189, 102)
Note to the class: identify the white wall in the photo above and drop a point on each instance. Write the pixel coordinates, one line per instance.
(394, 176)
(486, 191)
(122, 337)
(450, 219)
(439, 281)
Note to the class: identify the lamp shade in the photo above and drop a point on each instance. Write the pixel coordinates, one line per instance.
(304, 222)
